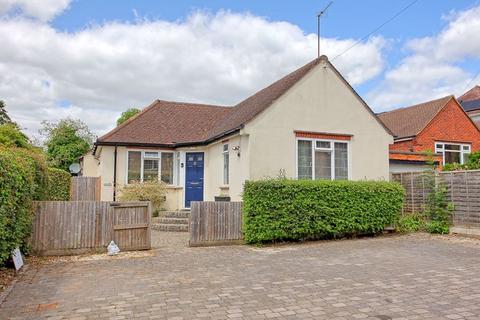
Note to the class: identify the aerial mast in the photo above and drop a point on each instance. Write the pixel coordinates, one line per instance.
(319, 15)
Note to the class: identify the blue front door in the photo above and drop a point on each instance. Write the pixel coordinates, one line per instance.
(193, 177)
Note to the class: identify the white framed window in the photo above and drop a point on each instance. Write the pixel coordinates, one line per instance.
(322, 159)
(226, 165)
(150, 166)
(453, 152)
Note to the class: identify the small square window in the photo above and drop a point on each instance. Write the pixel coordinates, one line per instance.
(323, 144)
(466, 148)
(225, 148)
(439, 146)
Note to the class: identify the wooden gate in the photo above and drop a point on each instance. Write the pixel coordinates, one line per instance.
(131, 225)
(69, 227)
(215, 223)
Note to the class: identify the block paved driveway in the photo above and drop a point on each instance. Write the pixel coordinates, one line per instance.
(399, 277)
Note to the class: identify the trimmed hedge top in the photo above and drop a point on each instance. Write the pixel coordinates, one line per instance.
(304, 209)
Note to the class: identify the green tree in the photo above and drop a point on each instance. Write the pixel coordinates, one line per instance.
(127, 115)
(4, 118)
(11, 136)
(66, 141)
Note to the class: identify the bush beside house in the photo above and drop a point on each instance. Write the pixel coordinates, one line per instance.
(153, 191)
(22, 180)
(299, 209)
(24, 177)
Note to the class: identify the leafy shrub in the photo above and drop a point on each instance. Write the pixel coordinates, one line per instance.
(58, 185)
(438, 227)
(300, 209)
(410, 223)
(11, 136)
(438, 209)
(153, 191)
(36, 159)
(22, 179)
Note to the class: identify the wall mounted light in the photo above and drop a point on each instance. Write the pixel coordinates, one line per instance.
(237, 150)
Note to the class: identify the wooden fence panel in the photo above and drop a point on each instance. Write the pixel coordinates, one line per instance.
(214, 223)
(131, 226)
(67, 227)
(85, 189)
(463, 190)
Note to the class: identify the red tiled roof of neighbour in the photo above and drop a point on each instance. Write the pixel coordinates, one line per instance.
(409, 121)
(172, 124)
(472, 94)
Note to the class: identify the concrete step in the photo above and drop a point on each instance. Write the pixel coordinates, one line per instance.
(162, 220)
(174, 214)
(170, 227)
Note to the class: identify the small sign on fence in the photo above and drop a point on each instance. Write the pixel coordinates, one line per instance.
(17, 259)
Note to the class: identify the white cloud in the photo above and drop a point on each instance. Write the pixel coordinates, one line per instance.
(44, 10)
(104, 69)
(433, 67)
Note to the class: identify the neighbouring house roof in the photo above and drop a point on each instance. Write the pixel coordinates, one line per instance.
(173, 124)
(409, 121)
(470, 105)
(472, 94)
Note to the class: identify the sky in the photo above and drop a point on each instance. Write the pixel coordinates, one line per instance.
(92, 60)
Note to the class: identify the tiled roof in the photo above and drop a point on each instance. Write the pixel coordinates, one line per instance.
(167, 123)
(472, 94)
(409, 121)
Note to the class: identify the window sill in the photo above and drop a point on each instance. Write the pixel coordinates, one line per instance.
(224, 187)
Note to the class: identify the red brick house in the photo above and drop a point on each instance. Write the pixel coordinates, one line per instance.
(440, 125)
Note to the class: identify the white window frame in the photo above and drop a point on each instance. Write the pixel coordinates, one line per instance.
(159, 158)
(462, 152)
(226, 151)
(331, 149)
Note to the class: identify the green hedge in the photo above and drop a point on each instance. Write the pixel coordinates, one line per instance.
(22, 179)
(58, 185)
(300, 209)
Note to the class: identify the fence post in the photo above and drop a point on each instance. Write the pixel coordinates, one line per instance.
(468, 196)
(412, 193)
(401, 182)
